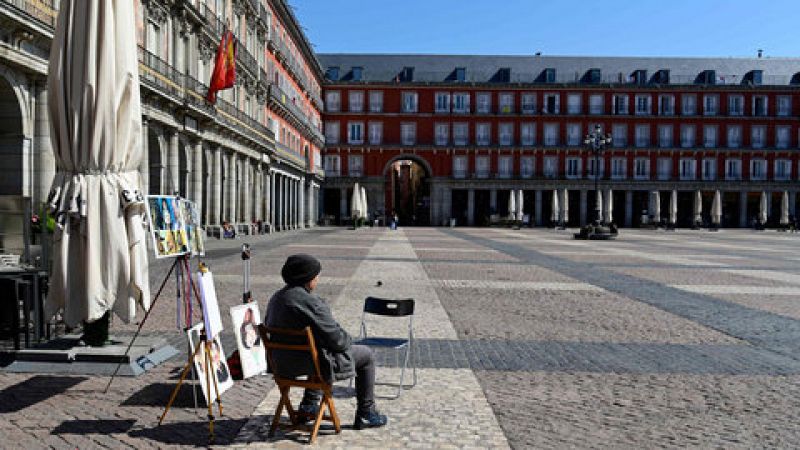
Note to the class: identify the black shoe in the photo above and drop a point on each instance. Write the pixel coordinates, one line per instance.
(306, 413)
(371, 419)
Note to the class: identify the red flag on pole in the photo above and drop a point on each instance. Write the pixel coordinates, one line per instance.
(224, 74)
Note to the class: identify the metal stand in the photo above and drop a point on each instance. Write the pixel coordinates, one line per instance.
(247, 296)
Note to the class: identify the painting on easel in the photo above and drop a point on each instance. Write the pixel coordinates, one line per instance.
(251, 350)
(219, 365)
(174, 226)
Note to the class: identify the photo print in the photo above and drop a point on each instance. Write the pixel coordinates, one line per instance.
(251, 350)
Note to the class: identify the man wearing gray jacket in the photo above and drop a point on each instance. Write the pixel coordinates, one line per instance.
(295, 306)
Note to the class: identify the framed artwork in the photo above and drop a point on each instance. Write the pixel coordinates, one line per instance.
(219, 364)
(174, 226)
(251, 350)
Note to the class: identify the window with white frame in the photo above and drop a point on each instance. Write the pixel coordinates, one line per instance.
(527, 133)
(355, 132)
(758, 136)
(574, 134)
(461, 102)
(642, 135)
(442, 102)
(664, 168)
(573, 169)
(618, 168)
(442, 131)
(460, 166)
(734, 139)
(526, 166)
(355, 165)
(710, 105)
(642, 104)
(356, 101)
(550, 166)
(460, 133)
(665, 136)
(376, 101)
(735, 105)
(596, 168)
(641, 168)
(376, 133)
(331, 132)
(688, 168)
(688, 104)
(550, 134)
(408, 133)
(574, 103)
(666, 105)
(484, 102)
(483, 133)
(759, 105)
(783, 170)
(551, 103)
(409, 102)
(505, 103)
(619, 104)
(709, 169)
(784, 103)
(733, 169)
(506, 133)
(710, 136)
(782, 136)
(596, 104)
(529, 103)
(333, 101)
(687, 135)
(482, 166)
(332, 166)
(505, 165)
(619, 135)
(758, 169)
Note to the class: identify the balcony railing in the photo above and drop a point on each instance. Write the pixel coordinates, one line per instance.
(46, 11)
(161, 75)
(215, 23)
(247, 60)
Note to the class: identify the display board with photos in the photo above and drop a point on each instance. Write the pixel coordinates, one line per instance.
(251, 350)
(219, 364)
(174, 226)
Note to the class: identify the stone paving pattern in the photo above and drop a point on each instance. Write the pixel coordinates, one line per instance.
(525, 338)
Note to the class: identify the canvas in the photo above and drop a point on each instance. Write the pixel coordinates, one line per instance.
(251, 350)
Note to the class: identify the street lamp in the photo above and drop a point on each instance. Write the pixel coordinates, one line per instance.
(596, 141)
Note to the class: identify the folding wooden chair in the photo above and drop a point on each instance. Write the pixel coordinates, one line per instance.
(391, 308)
(312, 381)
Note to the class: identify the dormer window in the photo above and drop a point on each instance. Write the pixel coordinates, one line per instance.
(707, 77)
(332, 73)
(357, 73)
(640, 77)
(592, 76)
(662, 76)
(407, 74)
(461, 74)
(755, 77)
(503, 75)
(547, 76)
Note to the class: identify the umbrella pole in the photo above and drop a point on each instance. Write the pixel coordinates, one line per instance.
(141, 324)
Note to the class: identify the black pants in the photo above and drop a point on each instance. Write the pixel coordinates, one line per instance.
(365, 381)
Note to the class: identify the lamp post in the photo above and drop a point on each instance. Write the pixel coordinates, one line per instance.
(597, 141)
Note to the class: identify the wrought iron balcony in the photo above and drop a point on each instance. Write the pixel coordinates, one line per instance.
(159, 75)
(215, 23)
(45, 11)
(247, 60)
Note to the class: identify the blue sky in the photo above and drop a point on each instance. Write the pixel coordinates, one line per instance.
(554, 27)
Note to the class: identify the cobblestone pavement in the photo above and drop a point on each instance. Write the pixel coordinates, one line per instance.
(525, 338)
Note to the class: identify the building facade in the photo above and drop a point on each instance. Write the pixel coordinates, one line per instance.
(465, 130)
(253, 158)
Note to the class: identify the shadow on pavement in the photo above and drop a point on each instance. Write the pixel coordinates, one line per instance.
(105, 427)
(191, 433)
(34, 390)
(157, 394)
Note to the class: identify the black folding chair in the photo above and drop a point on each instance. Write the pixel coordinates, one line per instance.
(391, 308)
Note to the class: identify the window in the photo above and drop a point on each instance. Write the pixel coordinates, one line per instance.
(642, 105)
(355, 165)
(596, 104)
(506, 132)
(460, 166)
(375, 133)
(461, 73)
(666, 105)
(759, 105)
(482, 166)
(528, 133)
(733, 169)
(618, 168)
(409, 102)
(641, 168)
(442, 102)
(376, 101)
(529, 103)
(331, 132)
(688, 169)
(620, 104)
(642, 135)
(710, 104)
(758, 169)
(734, 136)
(550, 168)
(526, 165)
(573, 167)
(783, 170)
(356, 101)
(689, 104)
(574, 134)
(550, 134)
(442, 133)
(709, 169)
(665, 136)
(687, 136)
(782, 133)
(357, 73)
(758, 136)
(333, 101)
(664, 169)
(483, 133)
(593, 168)
(506, 103)
(551, 102)
(332, 166)
(505, 165)
(710, 136)
(784, 105)
(355, 133)
(408, 133)
(573, 103)
(460, 133)
(461, 102)
(735, 105)
(619, 135)
(484, 101)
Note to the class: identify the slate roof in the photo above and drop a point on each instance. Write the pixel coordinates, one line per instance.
(568, 69)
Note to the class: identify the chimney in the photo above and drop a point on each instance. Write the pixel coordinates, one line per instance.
(760, 52)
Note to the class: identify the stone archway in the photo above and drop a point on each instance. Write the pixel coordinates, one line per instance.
(408, 189)
(155, 159)
(12, 141)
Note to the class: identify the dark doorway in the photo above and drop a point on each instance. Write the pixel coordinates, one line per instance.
(331, 209)
(618, 208)
(574, 211)
(547, 209)
(155, 165)
(685, 209)
(11, 142)
(640, 207)
(409, 193)
(459, 206)
(730, 209)
(529, 207)
(502, 203)
(482, 209)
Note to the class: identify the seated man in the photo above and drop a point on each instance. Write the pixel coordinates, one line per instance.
(294, 306)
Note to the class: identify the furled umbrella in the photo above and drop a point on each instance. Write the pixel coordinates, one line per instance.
(512, 205)
(785, 209)
(519, 204)
(609, 211)
(655, 206)
(598, 205)
(716, 209)
(673, 208)
(762, 209)
(698, 207)
(355, 203)
(99, 252)
(364, 208)
(554, 214)
(565, 205)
